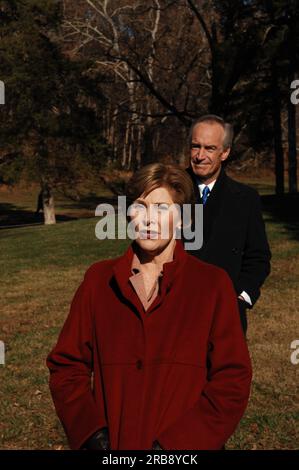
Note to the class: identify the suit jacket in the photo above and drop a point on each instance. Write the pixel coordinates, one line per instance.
(178, 373)
(234, 234)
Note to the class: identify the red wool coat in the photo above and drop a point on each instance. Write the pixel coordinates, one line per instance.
(179, 372)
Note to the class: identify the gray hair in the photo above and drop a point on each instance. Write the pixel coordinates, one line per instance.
(228, 128)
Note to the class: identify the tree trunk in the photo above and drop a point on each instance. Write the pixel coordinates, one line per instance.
(126, 145)
(139, 147)
(276, 113)
(148, 151)
(113, 133)
(292, 140)
(48, 206)
(292, 131)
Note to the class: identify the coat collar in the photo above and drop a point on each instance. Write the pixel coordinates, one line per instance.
(220, 182)
(136, 265)
(171, 269)
(223, 182)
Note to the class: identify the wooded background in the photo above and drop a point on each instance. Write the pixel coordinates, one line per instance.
(94, 89)
(110, 85)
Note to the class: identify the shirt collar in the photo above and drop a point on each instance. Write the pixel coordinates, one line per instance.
(201, 186)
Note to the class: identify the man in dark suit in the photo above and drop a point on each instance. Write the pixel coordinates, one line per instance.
(234, 236)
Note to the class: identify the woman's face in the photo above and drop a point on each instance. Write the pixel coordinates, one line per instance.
(155, 218)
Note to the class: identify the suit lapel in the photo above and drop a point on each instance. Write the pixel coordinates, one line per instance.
(213, 204)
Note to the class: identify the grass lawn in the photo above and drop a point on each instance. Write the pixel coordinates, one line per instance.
(40, 268)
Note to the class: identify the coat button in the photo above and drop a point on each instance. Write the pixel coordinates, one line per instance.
(139, 364)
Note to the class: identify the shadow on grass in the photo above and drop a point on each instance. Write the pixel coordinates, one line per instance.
(283, 209)
(14, 216)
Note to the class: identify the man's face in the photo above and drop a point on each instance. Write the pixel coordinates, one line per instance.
(207, 152)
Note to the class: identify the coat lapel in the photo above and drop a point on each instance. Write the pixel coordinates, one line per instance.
(212, 207)
(223, 196)
(122, 273)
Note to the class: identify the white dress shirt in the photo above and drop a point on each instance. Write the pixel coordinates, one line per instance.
(201, 187)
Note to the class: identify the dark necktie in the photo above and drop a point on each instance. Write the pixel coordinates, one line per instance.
(205, 194)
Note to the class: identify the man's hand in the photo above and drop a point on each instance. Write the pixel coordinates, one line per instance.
(99, 440)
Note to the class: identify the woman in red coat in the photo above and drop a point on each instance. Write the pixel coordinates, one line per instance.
(152, 354)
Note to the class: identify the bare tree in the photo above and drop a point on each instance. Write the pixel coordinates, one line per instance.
(146, 50)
